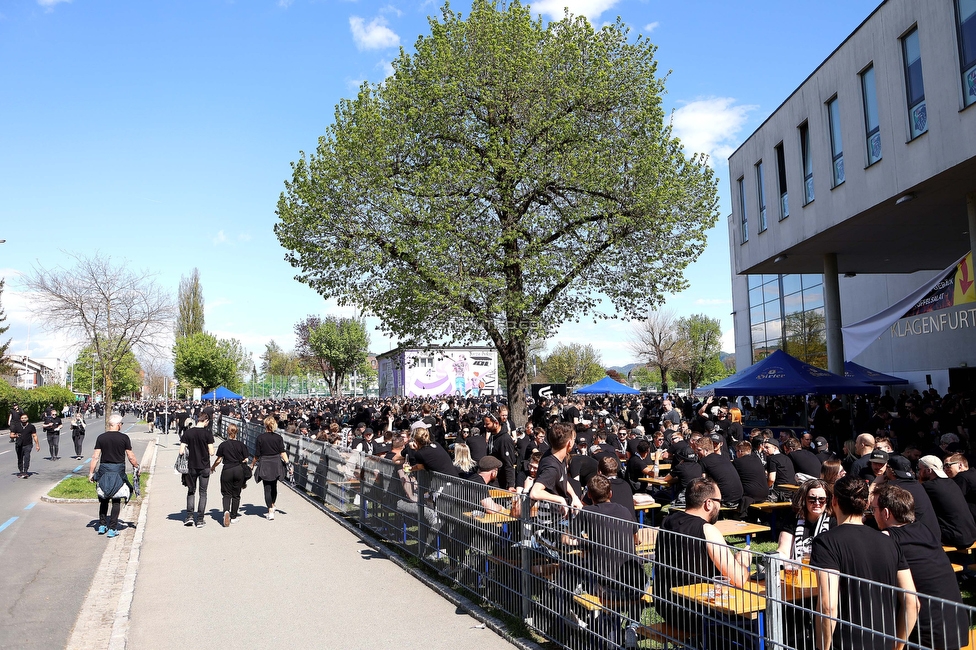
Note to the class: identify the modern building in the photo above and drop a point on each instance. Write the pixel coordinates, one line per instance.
(30, 373)
(466, 371)
(859, 190)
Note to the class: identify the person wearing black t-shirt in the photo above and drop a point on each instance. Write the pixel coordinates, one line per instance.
(429, 454)
(779, 470)
(198, 445)
(940, 625)
(856, 614)
(107, 469)
(752, 475)
(720, 469)
(233, 453)
(52, 427)
(271, 462)
(552, 480)
(804, 461)
(957, 468)
(25, 441)
(955, 520)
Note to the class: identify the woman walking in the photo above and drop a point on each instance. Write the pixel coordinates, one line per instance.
(78, 435)
(234, 454)
(270, 461)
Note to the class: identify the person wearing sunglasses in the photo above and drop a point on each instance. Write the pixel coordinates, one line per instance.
(811, 505)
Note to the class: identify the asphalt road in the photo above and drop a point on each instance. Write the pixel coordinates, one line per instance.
(48, 551)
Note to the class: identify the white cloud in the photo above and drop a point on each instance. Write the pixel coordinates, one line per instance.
(220, 238)
(556, 8)
(650, 27)
(354, 84)
(372, 36)
(710, 125)
(390, 9)
(244, 236)
(386, 67)
(49, 4)
(728, 341)
(284, 4)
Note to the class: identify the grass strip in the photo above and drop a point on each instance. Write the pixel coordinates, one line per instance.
(79, 487)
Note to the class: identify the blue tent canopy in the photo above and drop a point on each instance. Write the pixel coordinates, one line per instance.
(221, 393)
(605, 386)
(868, 376)
(781, 374)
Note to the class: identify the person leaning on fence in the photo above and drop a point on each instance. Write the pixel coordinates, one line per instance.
(270, 462)
(233, 453)
(856, 567)
(107, 469)
(552, 480)
(940, 624)
(690, 550)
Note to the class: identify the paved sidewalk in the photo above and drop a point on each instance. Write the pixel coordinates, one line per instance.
(301, 580)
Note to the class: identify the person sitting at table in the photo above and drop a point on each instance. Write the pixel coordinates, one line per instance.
(752, 475)
(855, 613)
(899, 472)
(804, 461)
(955, 520)
(812, 516)
(423, 451)
(638, 467)
(552, 481)
(680, 477)
(940, 625)
(957, 468)
(779, 471)
(691, 550)
(622, 494)
(466, 465)
(718, 466)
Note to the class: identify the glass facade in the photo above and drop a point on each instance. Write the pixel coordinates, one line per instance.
(966, 17)
(836, 144)
(742, 210)
(761, 195)
(787, 312)
(784, 198)
(806, 158)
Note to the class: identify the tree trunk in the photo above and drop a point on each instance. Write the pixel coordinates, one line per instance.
(108, 399)
(513, 357)
(664, 378)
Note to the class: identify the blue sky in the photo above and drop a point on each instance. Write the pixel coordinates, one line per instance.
(161, 133)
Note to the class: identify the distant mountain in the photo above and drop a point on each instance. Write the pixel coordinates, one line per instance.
(625, 370)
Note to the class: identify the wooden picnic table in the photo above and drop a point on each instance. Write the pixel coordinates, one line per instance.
(747, 601)
(660, 480)
(496, 518)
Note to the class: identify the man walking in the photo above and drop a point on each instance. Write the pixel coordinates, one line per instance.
(198, 442)
(26, 438)
(108, 470)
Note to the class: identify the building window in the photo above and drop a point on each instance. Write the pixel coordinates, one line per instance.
(744, 218)
(966, 15)
(761, 192)
(836, 145)
(784, 203)
(806, 157)
(917, 118)
(786, 312)
(871, 124)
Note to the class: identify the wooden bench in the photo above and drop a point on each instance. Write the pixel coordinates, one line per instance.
(772, 508)
(972, 641)
(592, 603)
(641, 508)
(664, 633)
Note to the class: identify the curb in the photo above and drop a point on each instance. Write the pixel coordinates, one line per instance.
(120, 628)
(476, 612)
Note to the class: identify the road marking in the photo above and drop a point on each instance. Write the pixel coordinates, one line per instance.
(7, 523)
(77, 469)
(66, 476)
(4, 452)
(30, 506)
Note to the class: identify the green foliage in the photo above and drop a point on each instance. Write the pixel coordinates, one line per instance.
(33, 401)
(646, 377)
(343, 344)
(574, 364)
(201, 361)
(702, 337)
(189, 320)
(5, 367)
(501, 182)
(79, 487)
(125, 373)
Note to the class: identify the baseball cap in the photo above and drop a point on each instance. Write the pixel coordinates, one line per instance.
(488, 463)
(934, 463)
(901, 467)
(368, 430)
(772, 441)
(715, 437)
(687, 453)
(709, 425)
(820, 442)
(878, 456)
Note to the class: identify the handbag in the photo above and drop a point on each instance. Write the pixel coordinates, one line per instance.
(182, 464)
(248, 472)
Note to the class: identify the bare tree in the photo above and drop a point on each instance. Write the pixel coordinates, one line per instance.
(658, 341)
(113, 308)
(155, 371)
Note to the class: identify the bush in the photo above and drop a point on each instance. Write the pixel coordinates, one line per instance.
(34, 401)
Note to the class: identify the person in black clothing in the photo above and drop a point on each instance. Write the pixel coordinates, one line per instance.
(502, 447)
(955, 520)
(26, 439)
(233, 453)
(477, 444)
(78, 435)
(638, 466)
(856, 614)
(957, 468)
(271, 461)
(940, 625)
(899, 472)
(198, 444)
(779, 471)
(752, 475)
(581, 466)
(552, 480)
(52, 427)
(821, 446)
(107, 469)
(804, 461)
(609, 467)
(720, 469)
(430, 455)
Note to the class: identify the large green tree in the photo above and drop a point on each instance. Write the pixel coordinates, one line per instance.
(702, 338)
(87, 372)
(5, 367)
(202, 361)
(510, 175)
(574, 364)
(189, 320)
(343, 344)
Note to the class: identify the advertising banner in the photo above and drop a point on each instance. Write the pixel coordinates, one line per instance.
(548, 391)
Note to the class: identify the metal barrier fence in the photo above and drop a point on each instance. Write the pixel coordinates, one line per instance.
(586, 580)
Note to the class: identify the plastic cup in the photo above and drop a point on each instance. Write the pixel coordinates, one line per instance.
(721, 588)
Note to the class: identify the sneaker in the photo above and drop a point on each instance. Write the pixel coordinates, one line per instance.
(26, 475)
(271, 514)
(111, 532)
(200, 522)
(188, 521)
(236, 519)
(102, 529)
(226, 519)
